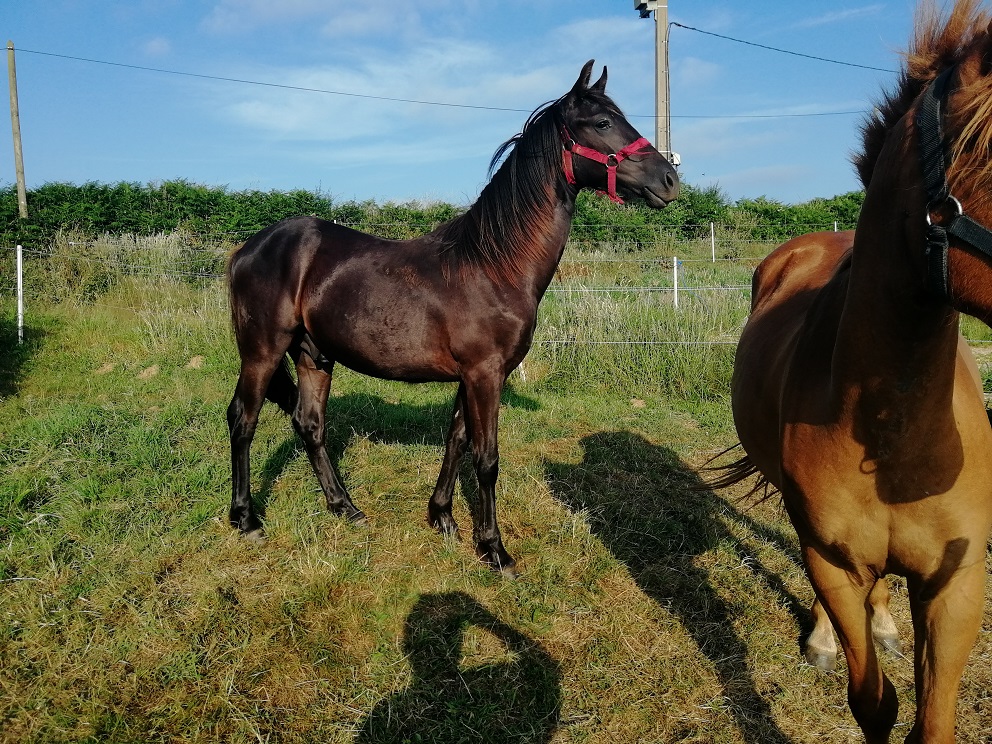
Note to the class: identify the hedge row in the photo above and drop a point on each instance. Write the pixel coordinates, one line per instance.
(170, 206)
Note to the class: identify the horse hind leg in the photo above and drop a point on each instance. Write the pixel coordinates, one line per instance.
(242, 419)
(883, 627)
(308, 417)
(821, 649)
(439, 507)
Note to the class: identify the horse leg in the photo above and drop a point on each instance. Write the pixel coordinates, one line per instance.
(482, 391)
(870, 694)
(439, 507)
(308, 420)
(946, 624)
(883, 627)
(821, 648)
(242, 419)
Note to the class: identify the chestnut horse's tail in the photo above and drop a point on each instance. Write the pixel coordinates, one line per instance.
(282, 388)
(733, 473)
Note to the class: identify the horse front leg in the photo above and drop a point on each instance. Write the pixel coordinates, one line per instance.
(844, 595)
(439, 507)
(946, 619)
(482, 392)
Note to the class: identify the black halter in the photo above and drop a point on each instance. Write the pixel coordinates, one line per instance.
(933, 160)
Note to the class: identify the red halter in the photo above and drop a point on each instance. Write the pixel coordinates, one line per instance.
(610, 160)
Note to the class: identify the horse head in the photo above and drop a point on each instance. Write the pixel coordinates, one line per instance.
(932, 141)
(602, 150)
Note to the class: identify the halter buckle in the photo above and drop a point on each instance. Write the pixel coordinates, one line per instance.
(949, 199)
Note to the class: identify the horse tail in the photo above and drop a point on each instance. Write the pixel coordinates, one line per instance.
(733, 473)
(282, 388)
(237, 317)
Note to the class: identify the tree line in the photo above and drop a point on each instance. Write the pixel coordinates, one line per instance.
(181, 206)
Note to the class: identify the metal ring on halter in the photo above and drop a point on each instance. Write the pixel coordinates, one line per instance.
(958, 209)
(616, 161)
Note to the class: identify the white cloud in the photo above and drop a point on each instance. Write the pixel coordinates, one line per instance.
(237, 16)
(334, 18)
(157, 47)
(840, 16)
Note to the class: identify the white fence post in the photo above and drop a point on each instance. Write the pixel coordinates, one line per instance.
(20, 295)
(835, 225)
(713, 242)
(675, 278)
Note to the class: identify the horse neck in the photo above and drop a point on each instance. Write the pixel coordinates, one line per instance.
(517, 240)
(896, 341)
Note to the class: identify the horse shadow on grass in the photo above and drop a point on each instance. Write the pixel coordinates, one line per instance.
(513, 698)
(358, 415)
(14, 355)
(655, 515)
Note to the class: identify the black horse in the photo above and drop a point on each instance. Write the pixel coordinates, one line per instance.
(458, 304)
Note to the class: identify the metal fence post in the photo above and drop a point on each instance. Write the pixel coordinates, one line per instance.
(20, 295)
(675, 279)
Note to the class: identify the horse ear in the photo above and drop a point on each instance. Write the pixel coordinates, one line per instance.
(600, 85)
(583, 82)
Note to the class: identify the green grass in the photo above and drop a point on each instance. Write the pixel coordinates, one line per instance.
(646, 611)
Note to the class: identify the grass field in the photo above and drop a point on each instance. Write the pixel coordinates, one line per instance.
(647, 611)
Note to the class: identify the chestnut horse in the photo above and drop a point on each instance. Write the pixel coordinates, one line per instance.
(855, 395)
(458, 304)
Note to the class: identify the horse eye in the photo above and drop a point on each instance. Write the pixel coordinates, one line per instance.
(603, 124)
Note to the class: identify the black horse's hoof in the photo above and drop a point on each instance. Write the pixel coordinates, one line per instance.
(500, 562)
(444, 523)
(255, 536)
(359, 519)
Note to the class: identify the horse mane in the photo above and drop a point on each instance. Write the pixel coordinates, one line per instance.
(499, 231)
(940, 43)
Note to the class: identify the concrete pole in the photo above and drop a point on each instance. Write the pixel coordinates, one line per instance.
(663, 134)
(15, 122)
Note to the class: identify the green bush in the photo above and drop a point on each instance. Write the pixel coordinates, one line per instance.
(181, 206)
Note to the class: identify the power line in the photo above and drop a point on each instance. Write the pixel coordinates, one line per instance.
(326, 91)
(274, 85)
(783, 51)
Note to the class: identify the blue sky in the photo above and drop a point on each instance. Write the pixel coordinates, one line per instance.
(83, 121)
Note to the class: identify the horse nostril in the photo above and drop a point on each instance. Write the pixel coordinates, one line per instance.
(671, 180)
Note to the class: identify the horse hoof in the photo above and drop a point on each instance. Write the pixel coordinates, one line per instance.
(502, 564)
(823, 660)
(255, 536)
(446, 525)
(509, 572)
(891, 645)
(359, 519)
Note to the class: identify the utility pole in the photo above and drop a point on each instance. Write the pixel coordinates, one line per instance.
(15, 123)
(662, 124)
